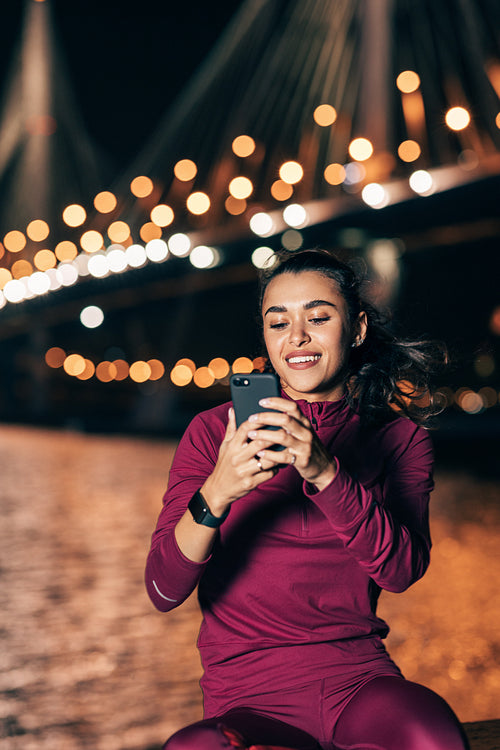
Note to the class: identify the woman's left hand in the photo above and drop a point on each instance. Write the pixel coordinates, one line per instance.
(303, 449)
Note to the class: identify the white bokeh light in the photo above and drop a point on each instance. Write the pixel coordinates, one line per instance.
(14, 291)
(38, 283)
(117, 260)
(67, 273)
(179, 244)
(261, 224)
(203, 256)
(421, 182)
(135, 256)
(295, 215)
(91, 316)
(157, 250)
(263, 257)
(98, 265)
(374, 195)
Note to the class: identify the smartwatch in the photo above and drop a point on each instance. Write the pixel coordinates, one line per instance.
(202, 514)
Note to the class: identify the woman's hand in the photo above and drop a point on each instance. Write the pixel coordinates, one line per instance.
(238, 469)
(303, 449)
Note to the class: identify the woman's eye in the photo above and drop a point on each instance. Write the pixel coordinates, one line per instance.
(277, 325)
(319, 320)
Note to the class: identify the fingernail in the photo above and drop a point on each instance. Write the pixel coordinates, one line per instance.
(252, 434)
(253, 418)
(264, 401)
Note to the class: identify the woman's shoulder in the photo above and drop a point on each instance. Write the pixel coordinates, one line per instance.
(401, 436)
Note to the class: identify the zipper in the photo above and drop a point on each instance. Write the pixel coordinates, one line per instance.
(305, 515)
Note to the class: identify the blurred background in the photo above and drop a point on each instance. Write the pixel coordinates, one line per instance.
(154, 157)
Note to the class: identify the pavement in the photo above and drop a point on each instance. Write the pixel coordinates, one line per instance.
(86, 661)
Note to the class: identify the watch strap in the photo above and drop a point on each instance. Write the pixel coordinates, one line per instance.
(202, 513)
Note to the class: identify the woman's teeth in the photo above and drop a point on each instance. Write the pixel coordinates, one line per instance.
(300, 360)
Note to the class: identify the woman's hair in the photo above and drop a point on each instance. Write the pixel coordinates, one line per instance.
(386, 373)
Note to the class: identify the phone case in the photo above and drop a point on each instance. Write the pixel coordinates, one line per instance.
(247, 390)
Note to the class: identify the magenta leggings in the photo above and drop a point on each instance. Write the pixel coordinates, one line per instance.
(387, 713)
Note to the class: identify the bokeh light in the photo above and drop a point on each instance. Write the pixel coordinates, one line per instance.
(198, 203)
(149, 231)
(181, 375)
(179, 244)
(135, 256)
(5, 276)
(421, 182)
(88, 370)
(141, 186)
(457, 118)
(219, 367)
(118, 231)
(38, 230)
(242, 365)
(66, 250)
(185, 170)
(162, 215)
(91, 316)
(105, 371)
(409, 151)
(74, 215)
(21, 268)
(240, 187)
(295, 215)
(203, 377)
(243, 145)
(45, 259)
(262, 224)
(281, 191)
(263, 257)
(360, 149)
(203, 256)
(74, 364)
(122, 369)
(374, 195)
(38, 283)
(55, 356)
(334, 174)
(139, 371)
(292, 239)
(235, 206)
(157, 250)
(91, 241)
(14, 291)
(105, 202)
(157, 369)
(495, 321)
(408, 81)
(291, 172)
(325, 115)
(14, 241)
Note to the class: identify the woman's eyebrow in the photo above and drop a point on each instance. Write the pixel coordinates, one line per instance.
(307, 306)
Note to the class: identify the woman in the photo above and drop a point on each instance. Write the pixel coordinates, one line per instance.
(289, 579)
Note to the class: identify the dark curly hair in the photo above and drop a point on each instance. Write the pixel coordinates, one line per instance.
(386, 373)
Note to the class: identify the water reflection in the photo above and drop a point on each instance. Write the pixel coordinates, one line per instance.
(86, 661)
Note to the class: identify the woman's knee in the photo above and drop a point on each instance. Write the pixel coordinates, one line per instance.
(395, 713)
(205, 735)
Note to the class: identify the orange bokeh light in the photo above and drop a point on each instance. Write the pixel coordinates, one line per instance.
(141, 186)
(74, 364)
(185, 170)
(235, 206)
(91, 241)
(66, 250)
(291, 172)
(243, 145)
(5, 276)
(360, 149)
(325, 115)
(181, 375)
(408, 81)
(162, 215)
(219, 366)
(242, 365)
(118, 231)
(281, 191)
(88, 370)
(409, 151)
(74, 215)
(203, 377)
(45, 259)
(457, 118)
(241, 187)
(149, 231)
(21, 268)
(38, 230)
(334, 174)
(105, 202)
(157, 369)
(55, 356)
(139, 371)
(14, 241)
(198, 203)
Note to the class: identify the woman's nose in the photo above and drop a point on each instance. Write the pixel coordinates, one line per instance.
(298, 334)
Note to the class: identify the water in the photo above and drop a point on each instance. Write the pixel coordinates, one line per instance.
(86, 662)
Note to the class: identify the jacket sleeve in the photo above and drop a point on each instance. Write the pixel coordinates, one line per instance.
(170, 576)
(386, 527)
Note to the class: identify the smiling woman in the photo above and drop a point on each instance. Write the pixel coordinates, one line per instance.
(292, 548)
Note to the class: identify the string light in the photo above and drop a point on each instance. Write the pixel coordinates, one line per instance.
(14, 241)
(408, 81)
(141, 186)
(243, 145)
(74, 215)
(360, 149)
(325, 115)
(457, 118)
(291, 172)
(38, 230)
(185, 170)
(105, 202)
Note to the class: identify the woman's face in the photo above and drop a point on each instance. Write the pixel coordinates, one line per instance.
(308, 335)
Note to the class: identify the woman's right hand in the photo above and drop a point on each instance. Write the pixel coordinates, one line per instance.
(238, 470)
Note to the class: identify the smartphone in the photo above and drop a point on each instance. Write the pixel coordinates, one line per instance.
(246, 392)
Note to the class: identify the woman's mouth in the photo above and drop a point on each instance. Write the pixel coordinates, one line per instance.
(302, 361)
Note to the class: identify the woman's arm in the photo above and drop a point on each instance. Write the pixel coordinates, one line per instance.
(181, 547)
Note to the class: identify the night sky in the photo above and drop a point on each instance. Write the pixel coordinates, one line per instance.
(126, 60)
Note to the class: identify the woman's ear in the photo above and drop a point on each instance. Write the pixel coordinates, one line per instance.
(361, 327)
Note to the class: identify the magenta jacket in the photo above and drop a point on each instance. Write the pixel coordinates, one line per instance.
(295, 570)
